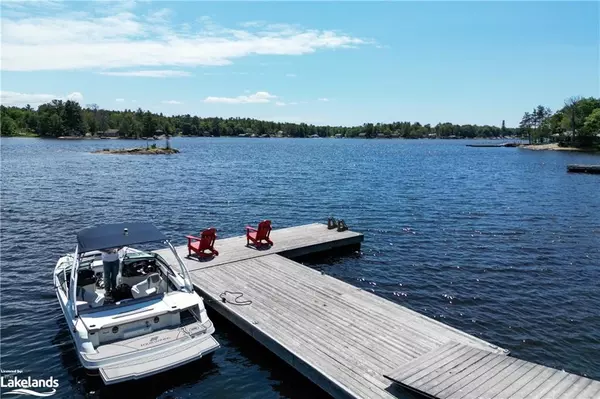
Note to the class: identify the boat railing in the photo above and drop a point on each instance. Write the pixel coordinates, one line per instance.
(73, 287)
(185, 274)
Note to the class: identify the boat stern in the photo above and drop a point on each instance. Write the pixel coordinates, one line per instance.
(158, 362)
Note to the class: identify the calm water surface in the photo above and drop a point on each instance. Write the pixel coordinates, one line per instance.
(499, 242)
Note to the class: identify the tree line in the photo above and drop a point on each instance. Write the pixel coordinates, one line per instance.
(576, 123)
(67, 118)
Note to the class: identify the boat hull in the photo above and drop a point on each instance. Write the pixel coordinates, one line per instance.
(139, 356)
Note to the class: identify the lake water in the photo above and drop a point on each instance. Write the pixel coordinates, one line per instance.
(499, 242)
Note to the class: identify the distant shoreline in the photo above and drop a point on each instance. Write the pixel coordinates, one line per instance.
(95, 138)
(556, 147)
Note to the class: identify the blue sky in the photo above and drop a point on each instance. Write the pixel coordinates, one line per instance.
(339, 63)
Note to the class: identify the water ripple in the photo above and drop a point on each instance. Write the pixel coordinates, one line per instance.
(500, 243)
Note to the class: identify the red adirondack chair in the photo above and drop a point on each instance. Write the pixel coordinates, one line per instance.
(206, 242)
(259, 236)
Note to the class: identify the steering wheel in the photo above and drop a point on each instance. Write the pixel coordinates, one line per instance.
(149, 268)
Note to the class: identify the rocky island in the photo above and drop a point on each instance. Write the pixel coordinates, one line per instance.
(152, 150)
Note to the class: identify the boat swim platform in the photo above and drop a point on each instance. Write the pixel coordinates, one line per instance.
(344, 339)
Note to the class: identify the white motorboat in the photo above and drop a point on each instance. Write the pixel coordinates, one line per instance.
(152, 322)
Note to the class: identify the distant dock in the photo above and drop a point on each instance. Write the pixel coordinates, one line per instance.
(593, 169)
(350, 342)
(494, 145)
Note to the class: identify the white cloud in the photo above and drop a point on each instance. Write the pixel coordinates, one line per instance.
(113, 7)
(256, 98)
(11, 98)
(121, 38)
(75, 96)
(290, 75)
(323, 99)
(280, 103)
(120, 100)
(148, 74)
(22, 4)
(252, 24)
(160, 16)
(174, 102)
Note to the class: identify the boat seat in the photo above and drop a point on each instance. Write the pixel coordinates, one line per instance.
(88, 295)
(151, 285)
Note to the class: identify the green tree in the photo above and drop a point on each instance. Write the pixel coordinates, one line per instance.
(91, 122)
(149, 125)
(540, 117)
(103, 120)
(73, 119)
(591, 126)
(555, 122)
(127, 126)
(32, 121)
(369, 129)
(572, 118)
(8, 127)
(56, 126)
(525, 125)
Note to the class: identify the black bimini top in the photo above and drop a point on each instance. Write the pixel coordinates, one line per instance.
(117, 235)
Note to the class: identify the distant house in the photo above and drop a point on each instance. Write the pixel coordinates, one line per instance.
(362, 135)
(110, 133)
(381, 136)
(338, 136)
(314, 136)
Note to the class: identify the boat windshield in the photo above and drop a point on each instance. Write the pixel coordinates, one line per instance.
(142, 275)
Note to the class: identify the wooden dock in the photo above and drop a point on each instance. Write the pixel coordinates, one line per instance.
(592, 169)
(342, 338)
(494, 145)
(457, 371)
(290, 242)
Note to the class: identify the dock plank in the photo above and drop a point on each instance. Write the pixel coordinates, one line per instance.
(443, 382)
(473, 373)
(591, 391)
(351, 342)
(321, 325)
(510, 390)
(467, 380)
